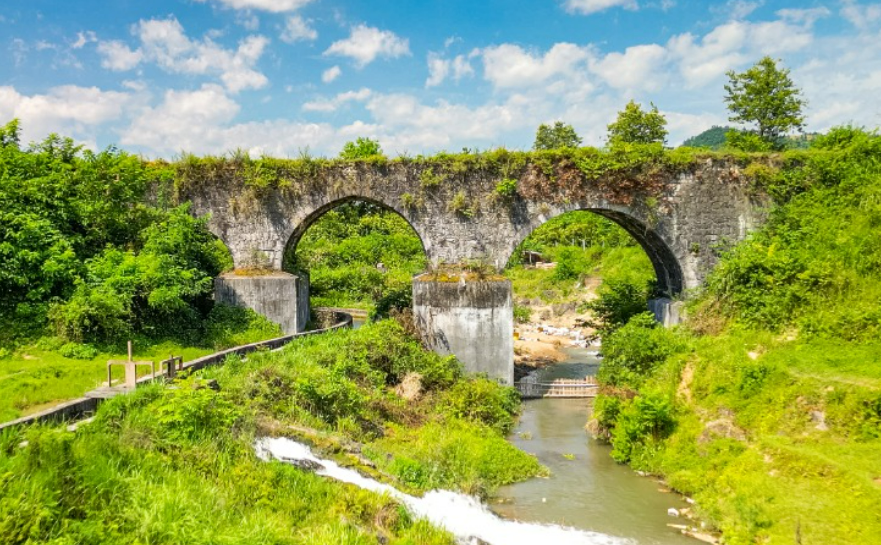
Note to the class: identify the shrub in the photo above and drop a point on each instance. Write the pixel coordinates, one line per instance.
(522, 314)
(484, 401)
(618, 302)
(571, 264)
(507, 187)
(643, 422)
(78, 351)
(635, 350)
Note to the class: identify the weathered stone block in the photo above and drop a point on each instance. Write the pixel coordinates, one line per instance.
(473, 320)
(283, 298)
(667, 312)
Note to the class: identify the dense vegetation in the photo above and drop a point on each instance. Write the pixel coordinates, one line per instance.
(94, 254)
(359, 255)
(766, 407)
(177, 464)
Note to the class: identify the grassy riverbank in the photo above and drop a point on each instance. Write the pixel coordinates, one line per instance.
(171, 465)
(766, 406)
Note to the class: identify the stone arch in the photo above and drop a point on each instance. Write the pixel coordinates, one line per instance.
(303, 225)
(668, 270)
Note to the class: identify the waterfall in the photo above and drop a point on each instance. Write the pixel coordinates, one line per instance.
(464, 516)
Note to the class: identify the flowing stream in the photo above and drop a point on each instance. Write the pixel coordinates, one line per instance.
(588, 500)
(587, 489)
(463, 516)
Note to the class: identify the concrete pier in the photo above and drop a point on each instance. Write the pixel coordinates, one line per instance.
(474, 320)
(667, 312)
(282, 297)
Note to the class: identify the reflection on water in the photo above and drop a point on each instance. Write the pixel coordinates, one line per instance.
(589, 491)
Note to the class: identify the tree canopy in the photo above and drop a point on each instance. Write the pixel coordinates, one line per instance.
(766, 97)
(556, 136)
(636, 126)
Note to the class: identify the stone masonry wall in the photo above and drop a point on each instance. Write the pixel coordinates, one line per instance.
(682, 223)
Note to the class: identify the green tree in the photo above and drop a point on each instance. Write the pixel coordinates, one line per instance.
(765, 97)
(636, 126)
(361, 148)
(556, 136)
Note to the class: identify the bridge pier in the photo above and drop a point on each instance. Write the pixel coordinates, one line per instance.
(667, 312)
(473, 320)
(279, 296)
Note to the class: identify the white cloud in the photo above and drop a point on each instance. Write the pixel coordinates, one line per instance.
(118, 56)
(164, 42)
(728, 46)
(366, 44)
(509, 65)
(586, 7)
(806, 16)
(439, 68)
(641, 67)
(296, 29)
(69, 110)
(331, 74)
(83, 38)
(331, 105)
(737, 9)
(274, 6)
(861, 16)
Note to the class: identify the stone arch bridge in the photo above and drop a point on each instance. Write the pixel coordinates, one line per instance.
(466, 211)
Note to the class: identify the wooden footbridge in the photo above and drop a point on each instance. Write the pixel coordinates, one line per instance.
(531, 388)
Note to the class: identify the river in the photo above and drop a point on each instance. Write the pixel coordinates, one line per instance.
(589, 491)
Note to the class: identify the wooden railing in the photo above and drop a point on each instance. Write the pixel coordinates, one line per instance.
(76, 408)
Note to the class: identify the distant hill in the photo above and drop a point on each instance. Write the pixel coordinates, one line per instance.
(713, 138)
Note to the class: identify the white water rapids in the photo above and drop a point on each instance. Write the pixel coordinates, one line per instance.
(464, 516)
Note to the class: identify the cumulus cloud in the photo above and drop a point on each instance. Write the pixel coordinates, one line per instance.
(439, 68)
(164, 42)
(509, 65)
(641, 67)
(365, 44)
(331, 74)
(68, 109)
(118, 56)
(586, 7)
(296, 29)
(332, 104)
(274, 6)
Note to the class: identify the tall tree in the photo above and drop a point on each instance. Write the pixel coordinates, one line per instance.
(766, 97)
(556, 136)
(636, 126)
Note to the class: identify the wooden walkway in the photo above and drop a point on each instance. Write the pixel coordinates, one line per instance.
(531, 388)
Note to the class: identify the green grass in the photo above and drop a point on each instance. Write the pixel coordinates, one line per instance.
(33, 379)
(776, 388)
(36, 376)
(177, 465)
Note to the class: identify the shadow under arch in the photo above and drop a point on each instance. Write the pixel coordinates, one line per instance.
(301, 229)
(668, 271)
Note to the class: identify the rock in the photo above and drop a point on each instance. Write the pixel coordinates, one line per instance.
(307, 465)
(819, 417)
(722, 427)
(690, 501)
(673, 512)
(410, 387)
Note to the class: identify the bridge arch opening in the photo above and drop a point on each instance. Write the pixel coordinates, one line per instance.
(587, 228)
(357, 253)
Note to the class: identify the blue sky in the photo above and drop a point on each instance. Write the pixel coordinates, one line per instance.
(275, 77)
